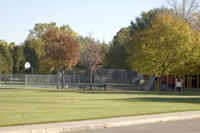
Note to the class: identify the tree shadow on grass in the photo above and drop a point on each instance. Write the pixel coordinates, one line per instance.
(10, 89)
(145, 93)
(117, 92)
(192, 100)
(97, 92)
(57, 90)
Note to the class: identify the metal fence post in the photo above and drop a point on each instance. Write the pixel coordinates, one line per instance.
(26, 81)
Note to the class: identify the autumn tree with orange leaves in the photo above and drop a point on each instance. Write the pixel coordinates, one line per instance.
(61, 49)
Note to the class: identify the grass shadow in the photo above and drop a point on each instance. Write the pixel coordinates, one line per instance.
(194, 100)
(170, 93)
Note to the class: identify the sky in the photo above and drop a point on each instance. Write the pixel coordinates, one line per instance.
(101, 19)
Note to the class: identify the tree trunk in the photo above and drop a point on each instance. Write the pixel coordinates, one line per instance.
(63, 78)
(161, 83)
(90, 80)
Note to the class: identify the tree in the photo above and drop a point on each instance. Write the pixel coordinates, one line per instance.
(193, 65)
(33, 50)
(6, 57)
(105, 50)
(163, 48)
(33, 45)
(39, 30)
(116, 58)
(144, 21)
(2, 64)
(61, 51)
(18, 58)
(196, 21)
(92, 57)
(187, 10)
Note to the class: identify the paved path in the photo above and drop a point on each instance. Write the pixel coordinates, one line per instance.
(66, 127)
(184, 126)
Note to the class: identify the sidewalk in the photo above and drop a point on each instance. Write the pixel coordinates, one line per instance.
(66, 127)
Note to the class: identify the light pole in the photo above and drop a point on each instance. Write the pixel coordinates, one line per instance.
(27, 66)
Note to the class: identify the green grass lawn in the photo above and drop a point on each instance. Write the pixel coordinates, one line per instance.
(34, 106)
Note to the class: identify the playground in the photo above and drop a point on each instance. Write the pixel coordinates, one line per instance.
(166, 83)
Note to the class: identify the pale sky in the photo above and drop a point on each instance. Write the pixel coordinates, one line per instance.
(101, 18)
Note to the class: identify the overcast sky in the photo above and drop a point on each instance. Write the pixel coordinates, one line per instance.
(101, 18)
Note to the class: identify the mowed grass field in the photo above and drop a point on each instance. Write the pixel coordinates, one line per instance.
(35, 106)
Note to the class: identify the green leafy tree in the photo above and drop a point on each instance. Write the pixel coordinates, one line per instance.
(105, 50)
(18, 58)
(163, 48)
(144, 21)
(2, 64)
(61, 50)
(33, 47)
(116, 58)
(193, 65)
(6, 57)
(39, 30)
(32, 51)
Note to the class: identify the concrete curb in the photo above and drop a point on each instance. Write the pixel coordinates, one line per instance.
(100, 124)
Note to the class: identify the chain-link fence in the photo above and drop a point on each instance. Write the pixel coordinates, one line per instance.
(115, 78)
(37, 81)
(12, 80)
(48, 81)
